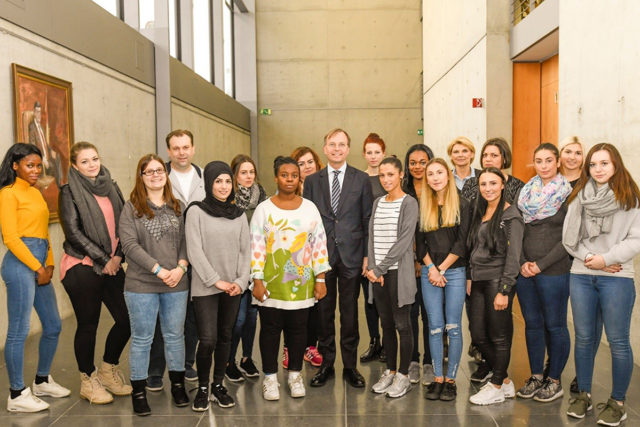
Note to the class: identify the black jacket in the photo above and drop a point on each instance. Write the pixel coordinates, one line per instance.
(76, 242)
(348, 231)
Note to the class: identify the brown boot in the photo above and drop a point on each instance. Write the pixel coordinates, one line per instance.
(113, 380)
(92, 389)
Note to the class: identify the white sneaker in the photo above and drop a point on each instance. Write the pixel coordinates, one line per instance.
(427, 374)
(384, 382)
(509, 390)
(26, 402)
(414, 372)
(50, 388)
(296, 385)
(400, 386)
(487, 395)
(270, 387)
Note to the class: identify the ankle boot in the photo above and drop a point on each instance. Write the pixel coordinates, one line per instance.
(139, 398)
(372, 352)
(178, 391)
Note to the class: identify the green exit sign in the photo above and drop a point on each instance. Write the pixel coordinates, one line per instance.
(265, 111)
(420, 132)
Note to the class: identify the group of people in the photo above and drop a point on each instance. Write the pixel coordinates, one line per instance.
(207, 250)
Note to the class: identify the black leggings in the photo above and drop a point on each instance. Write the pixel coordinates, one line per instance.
(87, 291)
(215, 318)
(394, 318)
(491, 330)
(273, 321)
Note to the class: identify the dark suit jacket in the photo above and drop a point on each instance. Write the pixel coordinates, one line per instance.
(348, 231)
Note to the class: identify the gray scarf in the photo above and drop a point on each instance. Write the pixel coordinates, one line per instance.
(593, 214)
(93, 223)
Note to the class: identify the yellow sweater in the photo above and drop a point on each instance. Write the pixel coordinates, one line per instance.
(24, 213)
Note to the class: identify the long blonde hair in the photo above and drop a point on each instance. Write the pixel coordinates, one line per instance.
(450, 215)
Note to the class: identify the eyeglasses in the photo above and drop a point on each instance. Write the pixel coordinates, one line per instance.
(151, 172)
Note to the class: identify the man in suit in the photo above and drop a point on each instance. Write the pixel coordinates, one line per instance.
(342, 194)
(37, 137)
(187, 184)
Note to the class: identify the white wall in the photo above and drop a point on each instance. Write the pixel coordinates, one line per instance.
(466, 56)
(599, 91)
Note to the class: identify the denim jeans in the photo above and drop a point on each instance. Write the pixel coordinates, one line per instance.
(23, 294)
(615, 296)
(143, 312)
(444, 309)
(543, 301)
(244, 328)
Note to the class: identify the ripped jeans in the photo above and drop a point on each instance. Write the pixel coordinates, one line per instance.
(444, 309)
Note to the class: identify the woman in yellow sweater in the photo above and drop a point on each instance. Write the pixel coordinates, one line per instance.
(27, 268)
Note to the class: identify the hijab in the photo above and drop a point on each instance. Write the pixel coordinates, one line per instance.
(210, 204)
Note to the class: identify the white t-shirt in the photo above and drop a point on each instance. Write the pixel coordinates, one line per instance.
(184, 179)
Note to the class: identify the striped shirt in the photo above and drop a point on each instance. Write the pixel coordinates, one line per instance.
(385, 228)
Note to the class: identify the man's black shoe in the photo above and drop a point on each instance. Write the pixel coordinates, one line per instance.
(353, 377)
(373, 352)
(321, 377)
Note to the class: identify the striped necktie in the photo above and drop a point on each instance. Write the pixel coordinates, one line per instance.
(335, 192)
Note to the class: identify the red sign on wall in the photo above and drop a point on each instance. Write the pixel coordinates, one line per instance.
(477, 103)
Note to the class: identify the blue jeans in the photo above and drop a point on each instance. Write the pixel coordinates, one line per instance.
(444, 310)
(143, 312)
(244, 328)
(23, 294)
(615, 296)
(543, 301)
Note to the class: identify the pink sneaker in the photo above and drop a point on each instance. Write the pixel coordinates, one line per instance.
(313, 356)
(285, 358)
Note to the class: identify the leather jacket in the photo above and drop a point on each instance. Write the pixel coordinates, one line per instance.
(76, 242)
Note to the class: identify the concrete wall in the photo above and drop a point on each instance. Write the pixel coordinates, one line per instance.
(112, 110)
(466, 56)
(599, 93)
(336, 63)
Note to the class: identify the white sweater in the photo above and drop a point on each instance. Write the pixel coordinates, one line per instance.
(619, 246)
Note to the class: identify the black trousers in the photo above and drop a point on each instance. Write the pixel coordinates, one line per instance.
(370, 312)
(418, 310)
(345, 282)
(313, 326)
(273, 322)
(87, 291)
(215, 318)
(491, 330)
(394, 318)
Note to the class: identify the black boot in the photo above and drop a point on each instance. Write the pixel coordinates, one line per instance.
(178, 391)
(372, 352)
(139, 398)
(382, 356)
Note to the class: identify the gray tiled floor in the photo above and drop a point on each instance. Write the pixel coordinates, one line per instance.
(333, 405)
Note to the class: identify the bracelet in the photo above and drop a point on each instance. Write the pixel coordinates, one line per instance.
(442, 272)
(183, 268)
(320, 280)
(429, 267)
(157, 270)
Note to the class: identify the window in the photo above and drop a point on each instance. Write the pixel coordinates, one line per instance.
(174, 29)
(202, 63)
(146, 14)
(111, 6)
(228, 42)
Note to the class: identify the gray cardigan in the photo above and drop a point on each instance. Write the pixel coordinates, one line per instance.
(143, 251)
(219, 249)
(401, 251)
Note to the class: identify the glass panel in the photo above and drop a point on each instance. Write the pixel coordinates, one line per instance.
(146, 14)
(227, 40)
(173, 26)
(202, 38)
(110, 6)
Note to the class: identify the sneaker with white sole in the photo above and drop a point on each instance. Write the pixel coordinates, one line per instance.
(270, 387)
(296, 385)
(530, 388)
(427, 374)
(509, 390)
(580, 405)
(549, 392)
(414, 372)
(400, 386)
(384, 382)
(50, 388)
(612, 413)
(26, 402)
(488, 395)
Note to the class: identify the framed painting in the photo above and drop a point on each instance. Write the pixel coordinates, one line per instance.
(43, 116)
